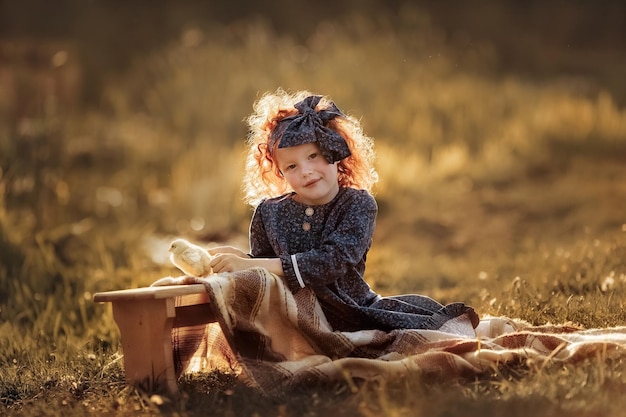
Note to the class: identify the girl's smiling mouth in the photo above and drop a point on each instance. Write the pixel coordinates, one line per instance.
(311, 183)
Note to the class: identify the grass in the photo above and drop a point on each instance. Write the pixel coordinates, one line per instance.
(501, 192)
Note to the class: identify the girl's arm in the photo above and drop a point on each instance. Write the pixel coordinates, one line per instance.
(226, 249)
(228, 262)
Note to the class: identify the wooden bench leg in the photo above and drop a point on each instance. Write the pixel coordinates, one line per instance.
(146, 331)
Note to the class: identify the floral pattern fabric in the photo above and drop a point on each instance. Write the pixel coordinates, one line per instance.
(325, 247)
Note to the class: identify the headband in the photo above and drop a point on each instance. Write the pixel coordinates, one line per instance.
(310, 126)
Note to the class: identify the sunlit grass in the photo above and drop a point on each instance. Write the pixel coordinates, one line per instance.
(497, 191)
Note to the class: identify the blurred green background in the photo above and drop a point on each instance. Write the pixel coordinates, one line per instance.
(499, 126)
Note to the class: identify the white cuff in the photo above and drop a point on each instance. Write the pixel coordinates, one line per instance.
(297, 271)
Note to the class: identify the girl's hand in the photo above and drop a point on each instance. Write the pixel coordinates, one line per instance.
(231, 262)
(227, 249)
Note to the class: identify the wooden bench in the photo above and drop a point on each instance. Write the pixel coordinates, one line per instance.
(145, 318)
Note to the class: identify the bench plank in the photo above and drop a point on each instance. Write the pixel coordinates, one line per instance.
(187, 316)
(167, 291)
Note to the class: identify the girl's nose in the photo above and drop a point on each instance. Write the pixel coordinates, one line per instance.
(307, 169)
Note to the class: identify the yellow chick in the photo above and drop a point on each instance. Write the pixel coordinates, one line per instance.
(192, 259)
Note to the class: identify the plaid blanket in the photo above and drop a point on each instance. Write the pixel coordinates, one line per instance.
(276, 340)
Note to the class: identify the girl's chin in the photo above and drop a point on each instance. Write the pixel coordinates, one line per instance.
(315, 198)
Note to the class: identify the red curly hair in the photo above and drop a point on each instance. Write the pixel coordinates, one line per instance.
(263, 179)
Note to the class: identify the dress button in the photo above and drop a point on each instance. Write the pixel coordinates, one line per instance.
(309, 211)
(306, 227)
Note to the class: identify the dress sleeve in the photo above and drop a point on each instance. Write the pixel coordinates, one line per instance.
(260, 246)
(343, 248)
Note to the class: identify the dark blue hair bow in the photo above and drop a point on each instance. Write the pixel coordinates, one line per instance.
(310, 126)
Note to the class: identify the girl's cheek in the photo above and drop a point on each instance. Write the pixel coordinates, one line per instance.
(289, 178)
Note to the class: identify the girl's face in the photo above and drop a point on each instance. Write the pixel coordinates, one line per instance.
(308, 173)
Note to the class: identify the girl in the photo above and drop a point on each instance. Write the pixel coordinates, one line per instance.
(309, 173)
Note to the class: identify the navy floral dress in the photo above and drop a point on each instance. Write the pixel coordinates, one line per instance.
(324, 247)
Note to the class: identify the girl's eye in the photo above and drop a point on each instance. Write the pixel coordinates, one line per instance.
(292, 166)
(313, 156)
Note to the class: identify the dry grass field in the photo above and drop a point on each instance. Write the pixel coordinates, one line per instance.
(505, 192)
